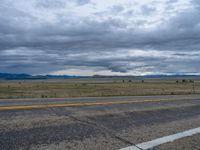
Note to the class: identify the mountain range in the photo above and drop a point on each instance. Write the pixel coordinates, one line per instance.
(10, 76)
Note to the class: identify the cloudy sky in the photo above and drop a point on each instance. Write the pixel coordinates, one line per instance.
(110, 37)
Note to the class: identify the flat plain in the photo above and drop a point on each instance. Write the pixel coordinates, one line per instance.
(95, 88)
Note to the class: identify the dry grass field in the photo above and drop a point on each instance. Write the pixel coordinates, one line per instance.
(94, 88)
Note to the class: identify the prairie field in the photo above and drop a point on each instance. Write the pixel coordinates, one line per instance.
(94, 88)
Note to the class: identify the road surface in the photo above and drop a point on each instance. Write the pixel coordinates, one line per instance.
(108, 123)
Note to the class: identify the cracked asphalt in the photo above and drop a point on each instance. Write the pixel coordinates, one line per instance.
(102, 127)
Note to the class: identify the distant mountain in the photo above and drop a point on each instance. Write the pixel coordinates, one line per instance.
(150, 77)
(9, 76)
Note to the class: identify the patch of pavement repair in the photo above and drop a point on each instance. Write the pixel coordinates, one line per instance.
(23, 119)
(137, 118)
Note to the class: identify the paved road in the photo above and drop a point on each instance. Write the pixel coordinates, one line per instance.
(97, 123)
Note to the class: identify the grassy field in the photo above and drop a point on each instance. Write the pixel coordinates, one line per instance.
(96, 88)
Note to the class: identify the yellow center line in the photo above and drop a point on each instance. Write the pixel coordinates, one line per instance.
(89, 103)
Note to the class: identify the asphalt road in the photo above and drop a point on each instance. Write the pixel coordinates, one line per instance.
(109, 123)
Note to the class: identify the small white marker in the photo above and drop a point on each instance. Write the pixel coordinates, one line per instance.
(166, 139)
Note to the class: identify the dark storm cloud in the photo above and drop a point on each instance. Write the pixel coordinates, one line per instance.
(42, 36)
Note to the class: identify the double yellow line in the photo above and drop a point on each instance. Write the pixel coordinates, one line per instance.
(89, 103)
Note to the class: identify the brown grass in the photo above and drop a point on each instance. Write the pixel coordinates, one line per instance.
(88, 88)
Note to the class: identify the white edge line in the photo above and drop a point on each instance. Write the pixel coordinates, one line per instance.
(166, 139)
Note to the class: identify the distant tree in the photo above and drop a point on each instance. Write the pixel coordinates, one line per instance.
(184, 81)
(177, 81)
(191, 81)
(129, 81)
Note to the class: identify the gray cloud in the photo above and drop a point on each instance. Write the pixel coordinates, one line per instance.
(50, 4)
(48, 37)
(148, 10)
(82, 2)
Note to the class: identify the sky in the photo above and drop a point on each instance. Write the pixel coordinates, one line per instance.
(107, 37)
